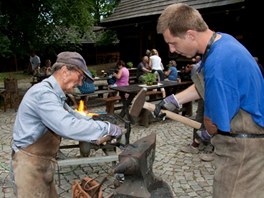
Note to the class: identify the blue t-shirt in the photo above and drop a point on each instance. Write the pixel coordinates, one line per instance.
(232, 81)
(173, 74)
(87, 87)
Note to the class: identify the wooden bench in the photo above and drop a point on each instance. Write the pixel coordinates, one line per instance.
(132, 80)
(111, 102)
(75, 98)
(101, 86)
(154, 95)
(99, 93)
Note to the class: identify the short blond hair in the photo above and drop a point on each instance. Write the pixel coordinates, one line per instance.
(154, 52)
(179, 18)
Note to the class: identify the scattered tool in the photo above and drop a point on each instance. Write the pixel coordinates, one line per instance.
(139, 102)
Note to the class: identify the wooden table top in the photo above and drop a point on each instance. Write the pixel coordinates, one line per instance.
(135, 88)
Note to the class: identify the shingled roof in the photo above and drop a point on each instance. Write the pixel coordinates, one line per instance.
(128, 9)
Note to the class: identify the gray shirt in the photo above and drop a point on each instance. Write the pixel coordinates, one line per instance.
(43, 107)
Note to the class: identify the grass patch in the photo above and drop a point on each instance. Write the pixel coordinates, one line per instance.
(20, 75)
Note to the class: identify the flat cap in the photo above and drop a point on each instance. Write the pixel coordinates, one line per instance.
(74, 58)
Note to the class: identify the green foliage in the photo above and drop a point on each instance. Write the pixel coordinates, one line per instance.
(102, 9)
(106, 38)
(58, 24)
(5, 46)
(14, 75)
(149, 78)
(93, 72)
(129, 64)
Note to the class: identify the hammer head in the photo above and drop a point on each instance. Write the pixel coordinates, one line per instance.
(138, 103)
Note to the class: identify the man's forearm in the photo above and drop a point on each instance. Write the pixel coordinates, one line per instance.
(173, 102)
(188, 95)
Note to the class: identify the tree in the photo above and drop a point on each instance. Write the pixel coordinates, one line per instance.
(102, 9)
(36, 24)
(49, 24)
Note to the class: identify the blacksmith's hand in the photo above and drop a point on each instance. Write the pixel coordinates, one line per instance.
(170, 103)
(114, 130)
(204, 135)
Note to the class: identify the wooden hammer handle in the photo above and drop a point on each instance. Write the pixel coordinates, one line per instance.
(104, 139)
(174, 116)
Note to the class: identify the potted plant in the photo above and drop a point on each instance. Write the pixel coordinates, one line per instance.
(150, 78)
(129, 64)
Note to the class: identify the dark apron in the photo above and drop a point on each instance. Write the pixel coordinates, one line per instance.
(34, 168)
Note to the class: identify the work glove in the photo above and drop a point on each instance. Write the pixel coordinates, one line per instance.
(114, 130)
(204, 135)
(170, 103)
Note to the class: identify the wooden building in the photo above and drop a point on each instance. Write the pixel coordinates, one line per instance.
(135, 24)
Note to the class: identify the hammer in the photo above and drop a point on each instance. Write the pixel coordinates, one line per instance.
(139, 102)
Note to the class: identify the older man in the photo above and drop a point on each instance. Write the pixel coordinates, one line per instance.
(143, 68)
(42, 119)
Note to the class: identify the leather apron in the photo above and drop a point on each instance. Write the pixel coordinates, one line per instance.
(34, 168)
(239, 162)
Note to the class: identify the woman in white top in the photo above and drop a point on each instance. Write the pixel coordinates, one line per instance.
(156, 64)
(157, 67)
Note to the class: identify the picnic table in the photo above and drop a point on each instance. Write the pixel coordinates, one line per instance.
(133, 89)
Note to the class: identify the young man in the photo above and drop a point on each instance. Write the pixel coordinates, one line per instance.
(42, 119)
(230, 82)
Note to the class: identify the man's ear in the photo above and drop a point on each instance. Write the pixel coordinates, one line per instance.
(190, 34)
(64, 68)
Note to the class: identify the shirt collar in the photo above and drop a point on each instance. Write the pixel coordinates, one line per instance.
(56, 87)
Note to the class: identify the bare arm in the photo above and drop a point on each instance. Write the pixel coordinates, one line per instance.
(188, 95)
(146, 69)
(167, 73)
(118, 74)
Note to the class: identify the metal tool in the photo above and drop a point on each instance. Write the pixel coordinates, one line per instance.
(135, 163)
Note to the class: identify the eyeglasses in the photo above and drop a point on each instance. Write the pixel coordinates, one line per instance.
(80, 74)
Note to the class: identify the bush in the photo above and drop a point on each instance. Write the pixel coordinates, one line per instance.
(129, 64)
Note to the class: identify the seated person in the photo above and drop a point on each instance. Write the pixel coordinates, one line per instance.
(172, 73)
(142, 68)
(86, 88)
(47, 67)
(121, 76)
